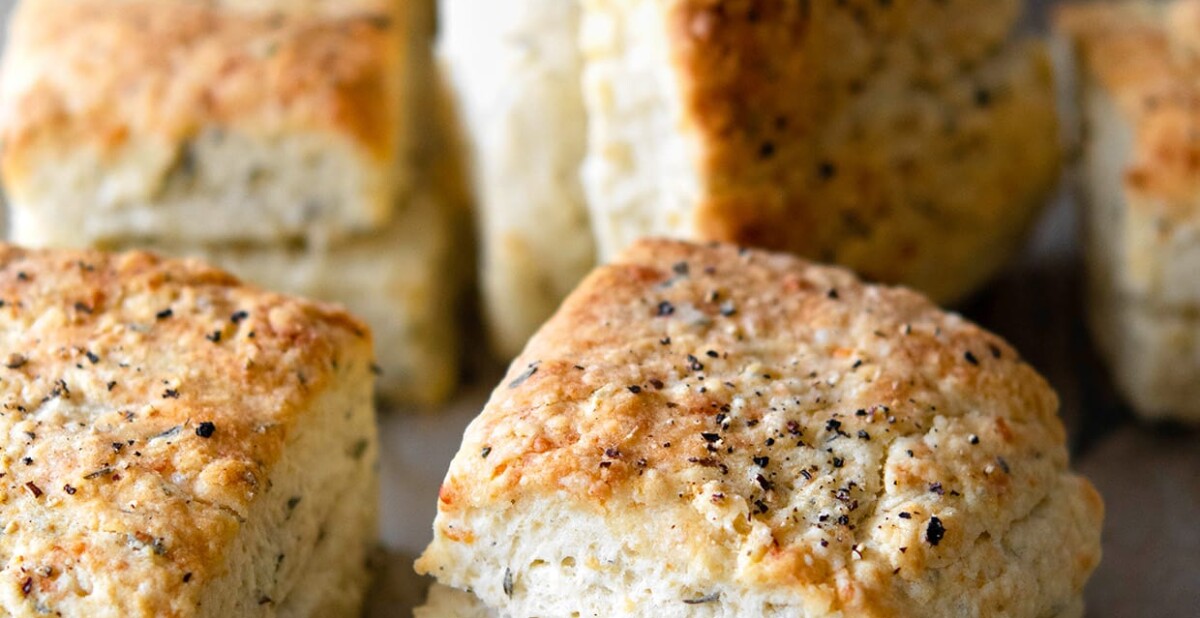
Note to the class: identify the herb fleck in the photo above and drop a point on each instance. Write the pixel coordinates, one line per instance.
(708, 598)
(525, 375)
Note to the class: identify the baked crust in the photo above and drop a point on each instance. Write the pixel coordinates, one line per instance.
(99, 71)
(144, 405)
(910, 141)
(777, 428)
(760, 90)
(208, 122)
(1143, 56)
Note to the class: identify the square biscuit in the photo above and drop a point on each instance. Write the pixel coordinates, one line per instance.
(713, 431)
(1135, 81)
(241, 120)
(177, 443)
(910, 141)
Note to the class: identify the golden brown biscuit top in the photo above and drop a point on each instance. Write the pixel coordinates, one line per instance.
(1144, 55)
(863, 429)
(820, 128)
(143, 403)
(99, 71)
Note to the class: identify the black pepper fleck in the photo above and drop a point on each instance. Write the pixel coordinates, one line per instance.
(206, 429)
(935, 532)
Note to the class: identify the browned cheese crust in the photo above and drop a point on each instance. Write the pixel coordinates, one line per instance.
(864, 133)
(1144, 57)
(103, 70)
(880, 441)
(143, 403)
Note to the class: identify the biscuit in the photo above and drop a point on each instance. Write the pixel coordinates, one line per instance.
(911, 141)
(1135, 84)
(514, 72)
(711, 431)
(179, 444)
(276, 119)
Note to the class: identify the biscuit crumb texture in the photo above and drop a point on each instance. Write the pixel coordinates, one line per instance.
(177, 443)
(514, 70)
(712, 431)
